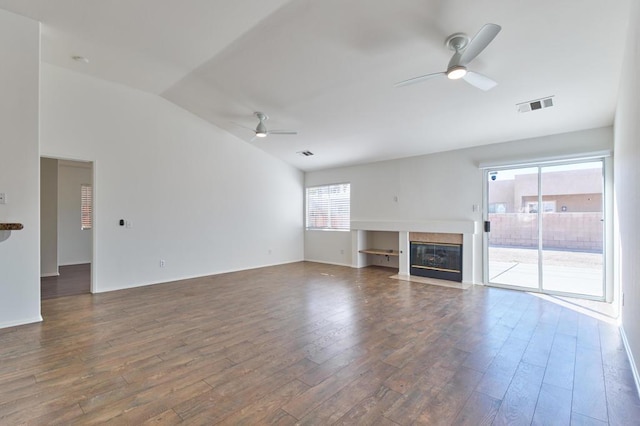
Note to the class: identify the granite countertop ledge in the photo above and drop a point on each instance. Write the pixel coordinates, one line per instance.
(10, 226)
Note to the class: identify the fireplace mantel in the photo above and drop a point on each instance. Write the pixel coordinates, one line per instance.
(441, 226)
(469, 229)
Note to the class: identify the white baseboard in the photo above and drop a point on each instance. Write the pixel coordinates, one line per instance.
(189, 277)
(328, 263)
(20, 322)
(52, 274)
(75, 263)
(634, 368)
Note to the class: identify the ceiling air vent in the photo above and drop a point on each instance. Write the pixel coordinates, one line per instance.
(305, 153)
(535, 104)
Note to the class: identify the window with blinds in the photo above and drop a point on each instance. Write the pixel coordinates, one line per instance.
(86, 206)
(329, 207)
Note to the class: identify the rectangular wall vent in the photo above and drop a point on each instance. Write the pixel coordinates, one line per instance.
(305, 153)
(535, 104)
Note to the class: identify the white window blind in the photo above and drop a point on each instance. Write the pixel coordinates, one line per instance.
(86, 206)
(329, 207)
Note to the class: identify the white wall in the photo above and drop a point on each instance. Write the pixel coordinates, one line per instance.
(74, 243)
(196, 196)
(627, 190)
(332, 247)
(442, 186)
(19, 169)
(48, 217)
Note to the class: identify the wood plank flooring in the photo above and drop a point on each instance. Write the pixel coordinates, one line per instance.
(73, 280)
(313, 344)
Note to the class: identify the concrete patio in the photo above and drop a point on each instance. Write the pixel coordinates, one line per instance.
(564, 271)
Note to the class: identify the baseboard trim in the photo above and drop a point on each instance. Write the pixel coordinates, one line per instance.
(21, 322)
(328, 263)
(52, 274)
(634, 368)
(190, 277)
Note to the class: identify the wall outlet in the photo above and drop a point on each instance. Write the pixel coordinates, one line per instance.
(3, 198)
(162, 263)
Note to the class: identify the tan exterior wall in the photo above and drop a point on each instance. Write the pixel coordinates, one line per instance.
(576, 190)
(572, 203)
(566, 230)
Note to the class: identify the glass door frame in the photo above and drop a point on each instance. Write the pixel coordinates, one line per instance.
(607, 228)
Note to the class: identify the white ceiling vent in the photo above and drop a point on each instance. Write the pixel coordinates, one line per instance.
(305, 153)
(535, 104)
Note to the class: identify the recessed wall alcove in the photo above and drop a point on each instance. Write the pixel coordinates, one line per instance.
(365, 233)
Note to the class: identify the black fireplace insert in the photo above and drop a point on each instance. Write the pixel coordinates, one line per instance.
(436, 260)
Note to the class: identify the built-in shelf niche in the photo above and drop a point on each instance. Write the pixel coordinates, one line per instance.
(380, 248)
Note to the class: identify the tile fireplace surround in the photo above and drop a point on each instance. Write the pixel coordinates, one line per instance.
(470, 231)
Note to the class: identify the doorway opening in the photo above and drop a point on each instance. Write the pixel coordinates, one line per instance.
(547, 228)
(66, 223)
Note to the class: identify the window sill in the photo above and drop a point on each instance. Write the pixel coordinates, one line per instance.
(327, 229)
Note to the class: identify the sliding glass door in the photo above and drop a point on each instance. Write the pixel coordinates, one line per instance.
(547, 228)
(513, 240)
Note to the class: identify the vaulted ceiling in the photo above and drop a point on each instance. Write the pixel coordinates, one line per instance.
(327, 69)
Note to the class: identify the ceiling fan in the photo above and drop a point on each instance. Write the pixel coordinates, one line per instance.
(466, 50)
(261, 130)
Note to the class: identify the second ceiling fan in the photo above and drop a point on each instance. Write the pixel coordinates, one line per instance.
(465, 50)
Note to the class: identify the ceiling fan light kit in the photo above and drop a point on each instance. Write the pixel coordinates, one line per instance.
(261, 129)
(465, 51)
(456, 72)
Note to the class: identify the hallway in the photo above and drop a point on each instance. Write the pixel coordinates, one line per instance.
(73, 280)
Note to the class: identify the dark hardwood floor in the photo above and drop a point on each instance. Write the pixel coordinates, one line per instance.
(313, 344)
(73, 279)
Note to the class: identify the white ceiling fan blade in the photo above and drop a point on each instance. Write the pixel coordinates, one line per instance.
(244, 127)
(281, 132)
(418, 79)
(481, 40)
(480, 81)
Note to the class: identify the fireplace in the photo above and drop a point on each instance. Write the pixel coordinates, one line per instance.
(462, 233)
(436, 260)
